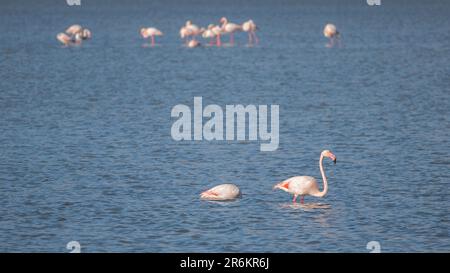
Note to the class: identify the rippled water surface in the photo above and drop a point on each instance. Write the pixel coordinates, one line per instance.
(86, 152)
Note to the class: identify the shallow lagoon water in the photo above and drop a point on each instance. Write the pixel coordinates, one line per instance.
(86, 152)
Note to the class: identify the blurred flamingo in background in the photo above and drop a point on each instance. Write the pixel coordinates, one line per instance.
(223, 192)
(330, 31)
(230, 28)
(64, 39)
(193, 43)
(209, 33)
(86, 34)
(190, 30)
(307, 185)
(250, 27)
(150, 32)
(74, 29)
(217, 30)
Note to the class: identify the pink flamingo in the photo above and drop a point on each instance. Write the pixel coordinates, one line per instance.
(86, 34)
(190, 30)
(230, 28)
(185, 33)
(250, 27)
(307, 185)
(74, 29)
(150, 32)
(217, 30)
(209, 33)
(64, 39)
(193, 43)
(330, 31)
(223, 192)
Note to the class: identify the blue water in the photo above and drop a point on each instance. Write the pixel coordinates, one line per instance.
(86, 152)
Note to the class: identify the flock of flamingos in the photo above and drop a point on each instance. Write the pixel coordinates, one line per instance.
(298, 185)
(190, 32)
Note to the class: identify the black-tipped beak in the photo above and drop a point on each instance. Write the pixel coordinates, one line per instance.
(335, 159)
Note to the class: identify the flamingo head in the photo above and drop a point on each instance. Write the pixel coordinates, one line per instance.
(188, 22)
(144, 32)
(223, 20)
(86, 34)
(330, 155)
(282, 186)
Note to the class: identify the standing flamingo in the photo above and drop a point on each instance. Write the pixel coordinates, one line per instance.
(223, 192)
(217, 30)
(307, 185)
(330, 31)
(209, 33)
(190, 30)
(194, 29)
(250, 27)
(230, 28)
(150, 32)
(185, 33)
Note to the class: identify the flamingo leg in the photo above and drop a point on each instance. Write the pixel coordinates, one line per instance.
(218, 42)
(250, 38)
(232, 38)
(256, 38)
(153, 40)
(295, 198)
(302, 199)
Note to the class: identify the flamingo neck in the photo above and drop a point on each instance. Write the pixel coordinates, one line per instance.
(224, 23)
(324, 178)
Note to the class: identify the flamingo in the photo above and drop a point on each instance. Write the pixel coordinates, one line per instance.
(77, 39)
(223, 192)
(185, 33)
(230, 28)
(74, 29)
(209, 33)
(193, 43)
(86, 34)
(330, 31)
(217, 30)
(307, 185)
(64, 39)
(194, 29)
(251, 28)
(150, 32)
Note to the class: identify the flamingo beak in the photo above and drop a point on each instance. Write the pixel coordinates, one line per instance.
(334, 160)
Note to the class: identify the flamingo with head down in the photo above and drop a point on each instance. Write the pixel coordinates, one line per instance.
(223, 192)
(307, 185)
(330, 31)
(250, 27)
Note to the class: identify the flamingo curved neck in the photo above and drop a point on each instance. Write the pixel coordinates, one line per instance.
(324, 178)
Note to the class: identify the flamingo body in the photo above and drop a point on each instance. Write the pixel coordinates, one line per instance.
(74, 29)
(64, 38)
(193, 43)
(223, 192)
(330, 31)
